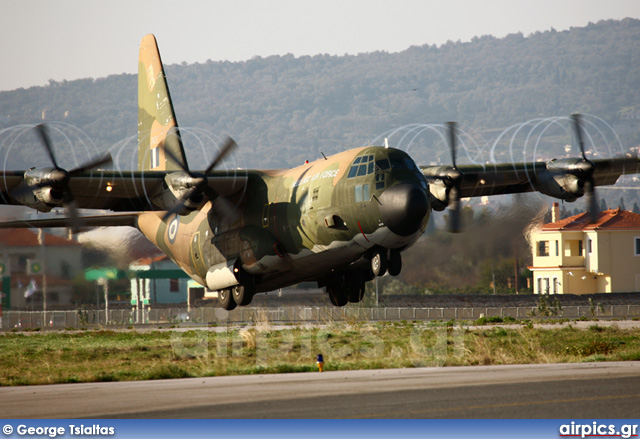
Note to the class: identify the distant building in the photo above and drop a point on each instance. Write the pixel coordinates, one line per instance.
(575, 256)
(158, 280)
(24, 259)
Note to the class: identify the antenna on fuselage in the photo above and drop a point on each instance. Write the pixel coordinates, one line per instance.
(325, 157)
(386, 143)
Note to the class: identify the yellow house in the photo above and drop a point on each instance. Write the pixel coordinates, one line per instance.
(575, 256)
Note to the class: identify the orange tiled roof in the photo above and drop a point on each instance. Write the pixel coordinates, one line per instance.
(612, 219)
(27, 238)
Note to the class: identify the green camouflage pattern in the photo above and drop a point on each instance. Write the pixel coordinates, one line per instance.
(157, 124)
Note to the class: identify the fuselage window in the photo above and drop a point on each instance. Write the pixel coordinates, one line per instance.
(358, 194)
(362, 193)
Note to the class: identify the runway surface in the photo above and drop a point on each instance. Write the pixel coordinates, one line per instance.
(587, 390)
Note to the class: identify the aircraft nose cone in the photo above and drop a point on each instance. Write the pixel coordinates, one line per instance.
(403, 208)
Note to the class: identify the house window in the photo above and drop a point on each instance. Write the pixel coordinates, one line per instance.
(555, 285)
(637, 246)
(580, 251)
(543, 248)
(539, 285)
(590, 245)
(174, 285)
(547, 285)
(557, 248)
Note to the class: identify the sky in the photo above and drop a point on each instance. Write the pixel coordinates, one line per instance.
(73, 39)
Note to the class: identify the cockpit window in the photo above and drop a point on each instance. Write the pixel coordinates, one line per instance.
(383, 164)
(362, 165)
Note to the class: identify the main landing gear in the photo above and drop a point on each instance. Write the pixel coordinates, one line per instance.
(347, 288)
(240, 294)
(350, 287)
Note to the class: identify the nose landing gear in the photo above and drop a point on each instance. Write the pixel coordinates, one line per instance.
(383, 261)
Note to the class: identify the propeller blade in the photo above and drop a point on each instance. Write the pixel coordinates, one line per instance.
(177, 208)
(184, 166)
(227, 209)
(589, 184)
(59, 178)
(229, 144)
(452, 141)
(92, 164)
(455, 178)
(577, 128)
(43, 132)
(591, 200)
(71, 207)
(454, 210)
(202, 187)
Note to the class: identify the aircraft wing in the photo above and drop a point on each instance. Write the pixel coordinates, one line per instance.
(562, 178)
(113, 190)
(127, 219)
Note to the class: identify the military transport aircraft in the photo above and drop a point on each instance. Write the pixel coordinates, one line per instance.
(339, 221)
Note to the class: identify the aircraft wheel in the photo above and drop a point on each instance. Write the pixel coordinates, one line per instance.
(395, 263)
(355, 286)
(226, 300)
(337, 295)
(379, 262)
(242, 295)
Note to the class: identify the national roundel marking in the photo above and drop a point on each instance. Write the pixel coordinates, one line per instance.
(172, 230)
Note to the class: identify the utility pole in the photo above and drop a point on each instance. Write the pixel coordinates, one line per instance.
(44, 277)
(105, 286)
(516, 265)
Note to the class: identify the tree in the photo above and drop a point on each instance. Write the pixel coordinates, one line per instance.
(603, 205)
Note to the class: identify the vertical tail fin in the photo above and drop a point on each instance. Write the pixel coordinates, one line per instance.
(157, 124)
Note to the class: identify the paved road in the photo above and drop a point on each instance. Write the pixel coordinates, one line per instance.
(588, 390)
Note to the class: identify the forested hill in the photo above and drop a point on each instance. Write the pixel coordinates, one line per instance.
(284, 109)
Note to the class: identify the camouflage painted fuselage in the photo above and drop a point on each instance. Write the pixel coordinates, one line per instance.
(306, 223)
(296, 224)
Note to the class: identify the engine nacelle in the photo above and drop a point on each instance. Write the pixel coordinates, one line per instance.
(439, 195)
(40, 189)
(42, 199)
(177, 186)
(563, 186)
(441, 179)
